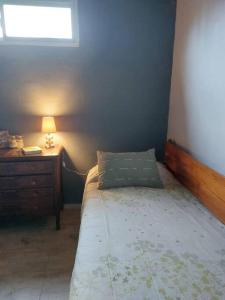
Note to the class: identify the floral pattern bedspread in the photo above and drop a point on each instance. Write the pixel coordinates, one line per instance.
(146, 244)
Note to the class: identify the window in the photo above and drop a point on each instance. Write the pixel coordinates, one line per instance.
(39, 23)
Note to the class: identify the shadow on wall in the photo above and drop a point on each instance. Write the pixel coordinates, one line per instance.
(191, 71)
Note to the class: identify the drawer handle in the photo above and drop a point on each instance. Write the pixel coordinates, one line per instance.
(33, 182)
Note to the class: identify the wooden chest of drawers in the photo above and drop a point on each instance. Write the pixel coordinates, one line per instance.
(31, 184)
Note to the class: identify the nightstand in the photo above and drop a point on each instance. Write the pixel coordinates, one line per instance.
(31, 184)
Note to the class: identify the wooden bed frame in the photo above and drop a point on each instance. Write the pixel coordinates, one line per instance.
(206, 184)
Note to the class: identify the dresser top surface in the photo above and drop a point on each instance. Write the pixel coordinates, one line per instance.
(18, 154)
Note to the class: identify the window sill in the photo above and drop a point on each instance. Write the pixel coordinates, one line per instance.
(71, 44)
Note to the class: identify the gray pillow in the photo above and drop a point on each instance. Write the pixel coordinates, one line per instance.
(128, 169)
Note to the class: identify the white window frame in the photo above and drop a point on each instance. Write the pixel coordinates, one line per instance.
(74, 42)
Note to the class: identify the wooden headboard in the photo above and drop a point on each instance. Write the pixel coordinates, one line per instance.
(206, 184)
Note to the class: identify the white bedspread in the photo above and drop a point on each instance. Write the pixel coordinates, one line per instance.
(146, 244)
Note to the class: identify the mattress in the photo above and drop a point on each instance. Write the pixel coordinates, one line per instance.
(142, 243)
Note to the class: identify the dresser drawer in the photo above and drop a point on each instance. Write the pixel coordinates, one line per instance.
(20, 182)
(26, 167)
(31, 185)
(35, 201)
(31, 194)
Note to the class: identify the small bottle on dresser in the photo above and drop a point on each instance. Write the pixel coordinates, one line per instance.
(12, 141)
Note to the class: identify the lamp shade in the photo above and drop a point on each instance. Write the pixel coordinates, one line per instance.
(48, 125)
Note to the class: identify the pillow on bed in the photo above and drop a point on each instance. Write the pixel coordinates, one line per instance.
(168, 180)
(128, 169)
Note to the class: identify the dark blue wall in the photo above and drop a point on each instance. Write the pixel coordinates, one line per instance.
(111, 93)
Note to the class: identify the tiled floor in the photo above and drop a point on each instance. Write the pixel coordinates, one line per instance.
(36, 261)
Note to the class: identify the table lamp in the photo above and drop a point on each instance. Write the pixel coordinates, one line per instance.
(48, 127)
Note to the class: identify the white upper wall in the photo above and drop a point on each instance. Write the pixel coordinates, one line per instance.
(197, 102)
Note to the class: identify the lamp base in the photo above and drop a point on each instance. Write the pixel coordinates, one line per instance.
(49, 141)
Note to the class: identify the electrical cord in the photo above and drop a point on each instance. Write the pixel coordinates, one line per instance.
(71, 170)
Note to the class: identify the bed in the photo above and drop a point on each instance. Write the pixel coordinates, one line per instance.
(141, 243)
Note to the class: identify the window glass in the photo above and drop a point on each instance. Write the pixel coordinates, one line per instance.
(27, 21)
